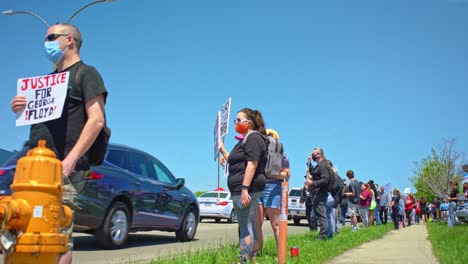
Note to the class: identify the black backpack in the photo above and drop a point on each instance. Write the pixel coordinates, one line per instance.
(337, 191)
(97, 151)
(331, 180)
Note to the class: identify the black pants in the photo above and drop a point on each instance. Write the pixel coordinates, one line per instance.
(311, 220)
(383, 214)
(396, 217)
(320, 210)
(408, 216)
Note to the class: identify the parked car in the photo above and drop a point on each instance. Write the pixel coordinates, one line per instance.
(462, 212)
(216, 208)
(295, 210)
(131, 191)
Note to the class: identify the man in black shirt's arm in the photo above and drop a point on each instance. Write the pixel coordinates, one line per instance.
(319, 183)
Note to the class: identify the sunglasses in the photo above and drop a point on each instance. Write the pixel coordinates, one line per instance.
(239, 120)
(53, 37)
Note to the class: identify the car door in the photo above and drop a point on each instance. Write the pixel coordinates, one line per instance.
(171, 201)
(144, 193)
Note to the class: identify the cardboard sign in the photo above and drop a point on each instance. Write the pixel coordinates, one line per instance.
(45, 98)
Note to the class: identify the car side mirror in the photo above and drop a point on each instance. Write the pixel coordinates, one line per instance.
(180, 182)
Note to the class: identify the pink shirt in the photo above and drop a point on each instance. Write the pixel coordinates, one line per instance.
(368, 198)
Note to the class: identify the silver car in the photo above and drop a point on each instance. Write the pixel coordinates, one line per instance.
(216, 205)
(462, 212)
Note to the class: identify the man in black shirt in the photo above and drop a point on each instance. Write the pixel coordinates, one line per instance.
(319, 184)
(71, 135)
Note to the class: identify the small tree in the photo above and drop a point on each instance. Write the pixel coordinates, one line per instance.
(434, 173)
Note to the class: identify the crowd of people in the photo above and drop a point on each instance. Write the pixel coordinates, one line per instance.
(367, 202)
(328, 198)
(348, 197)
(373, 205)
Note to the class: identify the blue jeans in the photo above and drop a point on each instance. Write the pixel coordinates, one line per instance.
(451, 214)
(364, 214)
(246, 221)
(376, 215)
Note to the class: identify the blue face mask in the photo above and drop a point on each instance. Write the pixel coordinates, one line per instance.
(53, 51)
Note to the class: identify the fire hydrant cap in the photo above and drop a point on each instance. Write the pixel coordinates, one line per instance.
(41, 150)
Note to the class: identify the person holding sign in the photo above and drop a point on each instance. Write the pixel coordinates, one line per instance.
(246, 180)
(75, 130)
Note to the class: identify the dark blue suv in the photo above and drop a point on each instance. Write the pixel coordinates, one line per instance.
(131, 191)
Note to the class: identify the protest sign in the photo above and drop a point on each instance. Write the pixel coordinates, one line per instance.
(45, 98)
(388, 188)
(216, 136)
(224, 122)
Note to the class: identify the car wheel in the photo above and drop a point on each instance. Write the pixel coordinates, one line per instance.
(232, 217)
(296, 220)
(201, 218)
(114, 230)
(217, 220)
(188, 228)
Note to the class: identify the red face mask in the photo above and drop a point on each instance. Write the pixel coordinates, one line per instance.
(242, 128)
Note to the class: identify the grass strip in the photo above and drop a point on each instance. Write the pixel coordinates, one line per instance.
(450, 244)
(311, 250)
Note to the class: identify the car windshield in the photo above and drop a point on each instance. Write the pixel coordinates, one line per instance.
(295, 192)
(14, 159)
(213, 195)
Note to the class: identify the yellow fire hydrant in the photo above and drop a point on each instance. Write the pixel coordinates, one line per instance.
(31, 218)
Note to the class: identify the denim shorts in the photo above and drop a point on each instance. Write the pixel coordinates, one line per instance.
(271, 195)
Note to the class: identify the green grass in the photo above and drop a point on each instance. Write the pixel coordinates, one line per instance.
(450, 244)
(310, 249)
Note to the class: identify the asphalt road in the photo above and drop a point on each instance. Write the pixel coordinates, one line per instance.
(142, 247)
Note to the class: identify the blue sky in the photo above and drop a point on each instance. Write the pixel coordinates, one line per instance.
(376, 84)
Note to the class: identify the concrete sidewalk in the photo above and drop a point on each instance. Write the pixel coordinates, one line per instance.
(409, 245)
